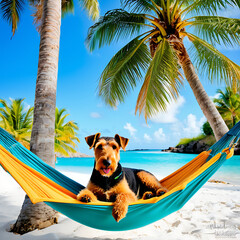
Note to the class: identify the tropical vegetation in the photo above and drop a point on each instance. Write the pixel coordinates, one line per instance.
(16, 118)
(207, 130)
(158, 50)
(228, 105)
(65, 134)
(184, 141)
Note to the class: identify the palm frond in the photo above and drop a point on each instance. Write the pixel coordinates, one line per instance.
(213, 63)
(217, 30)
(16, 120)
(92, 7)
(209, 6)
(11, 10)
(65, 134)
(138, 5)
(228, 105)
(60, 149)
(162, 81)
(115, 24)
(123, 71)
(67, 7)
(73, 125)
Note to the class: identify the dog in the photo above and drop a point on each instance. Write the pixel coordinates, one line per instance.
(113, 183)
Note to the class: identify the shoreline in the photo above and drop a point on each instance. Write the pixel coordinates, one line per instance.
(212, 212)
(74, 155)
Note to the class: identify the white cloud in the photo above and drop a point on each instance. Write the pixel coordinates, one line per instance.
(95, 115)
(193, 126)
(147, 137)
(176, 129)
(217, 95)
(160, 135)
(130, 128)
(190, 127)
(171, 111)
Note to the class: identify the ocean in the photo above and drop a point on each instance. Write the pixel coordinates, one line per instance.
(159, 163)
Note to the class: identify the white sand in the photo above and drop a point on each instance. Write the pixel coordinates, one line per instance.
(212, 213)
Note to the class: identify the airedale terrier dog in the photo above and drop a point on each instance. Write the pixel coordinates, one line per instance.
(113, 183)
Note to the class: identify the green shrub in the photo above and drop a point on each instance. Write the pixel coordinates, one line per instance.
(185, 141)
(207, 130)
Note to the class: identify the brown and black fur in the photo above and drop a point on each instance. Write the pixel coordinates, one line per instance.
(111, 182)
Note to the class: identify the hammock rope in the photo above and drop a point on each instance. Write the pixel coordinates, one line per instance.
(42, 183)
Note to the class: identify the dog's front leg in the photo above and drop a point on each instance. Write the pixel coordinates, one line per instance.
(86, 195)
(120, 206)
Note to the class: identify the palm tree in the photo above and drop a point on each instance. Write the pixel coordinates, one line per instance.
(17, 120)
(228, 105)
(65, 134)
(158, 29)
(40, 215)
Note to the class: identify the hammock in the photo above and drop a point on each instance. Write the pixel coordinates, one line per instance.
(43, 183)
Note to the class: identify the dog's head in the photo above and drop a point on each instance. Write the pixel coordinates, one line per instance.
(107, 152)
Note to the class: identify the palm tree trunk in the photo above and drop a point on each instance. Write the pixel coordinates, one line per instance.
(40, 215)
(207, 106)
(234, 120)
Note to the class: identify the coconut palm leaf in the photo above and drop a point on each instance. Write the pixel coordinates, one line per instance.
(114, 25)
(65, 133)
(16, 120)
(11, 11)
(92, 8)
(213, 63)
(209, 7)
(161, 82)
(228, 105)
(123, 71)
(145, 6)
(217, 30)
(60, 149)
(67, 7)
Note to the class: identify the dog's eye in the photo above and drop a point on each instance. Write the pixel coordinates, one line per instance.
(99, 147)
(114, 146)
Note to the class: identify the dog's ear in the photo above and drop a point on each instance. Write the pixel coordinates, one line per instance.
(91, 140)
(123, 142)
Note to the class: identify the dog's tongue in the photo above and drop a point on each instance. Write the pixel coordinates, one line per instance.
(106, 170)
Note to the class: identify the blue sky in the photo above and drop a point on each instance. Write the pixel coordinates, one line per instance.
(78, 76)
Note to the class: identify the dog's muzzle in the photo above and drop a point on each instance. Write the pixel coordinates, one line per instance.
(107, 163)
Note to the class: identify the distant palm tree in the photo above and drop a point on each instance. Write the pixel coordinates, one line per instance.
(228, 105)
(17, 120)
(65, 134)
(158, 29)
(40, 215)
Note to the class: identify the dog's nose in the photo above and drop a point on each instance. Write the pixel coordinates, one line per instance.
(107, 162)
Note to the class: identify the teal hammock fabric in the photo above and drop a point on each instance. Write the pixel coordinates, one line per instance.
(100, 216)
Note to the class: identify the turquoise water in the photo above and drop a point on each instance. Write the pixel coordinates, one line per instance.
(159, 163)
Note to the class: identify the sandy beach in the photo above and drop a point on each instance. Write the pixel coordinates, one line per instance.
(212, 213)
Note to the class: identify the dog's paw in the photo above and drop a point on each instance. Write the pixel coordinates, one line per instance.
(160, 192)
(119, 211)
(84, 198)
(148, 195)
